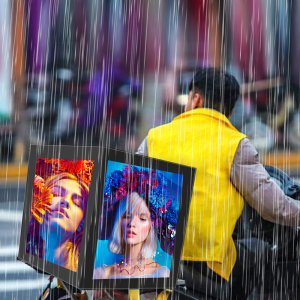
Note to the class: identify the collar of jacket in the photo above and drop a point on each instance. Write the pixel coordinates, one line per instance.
(206, 112)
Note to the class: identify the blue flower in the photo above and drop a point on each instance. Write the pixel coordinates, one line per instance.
(174, 204)
(135, 169)
(172, 216)
(112, 182)
(162, 179)
(159, 196)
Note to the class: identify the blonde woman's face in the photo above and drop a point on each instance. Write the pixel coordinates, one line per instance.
(67, 209)
(136, 225)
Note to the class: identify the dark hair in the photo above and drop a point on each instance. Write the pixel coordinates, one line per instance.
(219, 89)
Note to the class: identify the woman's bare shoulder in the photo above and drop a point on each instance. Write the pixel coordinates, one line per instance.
(163, 271)
(155, 265)
(109, 270)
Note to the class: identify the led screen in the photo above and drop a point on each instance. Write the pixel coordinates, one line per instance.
(58, 207)
(138, 222)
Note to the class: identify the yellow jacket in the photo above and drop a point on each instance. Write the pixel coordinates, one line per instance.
(205, 139)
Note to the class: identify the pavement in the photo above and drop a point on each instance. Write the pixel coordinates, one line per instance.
(17, 280)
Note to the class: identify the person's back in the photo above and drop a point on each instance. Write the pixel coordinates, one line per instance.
(228, 170)
(205, 139)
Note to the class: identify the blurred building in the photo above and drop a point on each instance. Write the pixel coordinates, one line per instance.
(105, 72)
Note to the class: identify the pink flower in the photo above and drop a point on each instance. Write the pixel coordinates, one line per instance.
(123, 182)
(38, 180)
(157, 222)
(154, 183)
(121, 193)
(166, 206)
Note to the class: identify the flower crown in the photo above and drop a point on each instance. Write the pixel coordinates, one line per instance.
(150, 185)
(42, 196)
(82, 169)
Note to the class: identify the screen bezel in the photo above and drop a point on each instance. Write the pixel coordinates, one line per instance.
(186, 193)
(83, 278)
(58, 152)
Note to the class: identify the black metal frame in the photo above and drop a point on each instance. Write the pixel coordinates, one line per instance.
(82, 279)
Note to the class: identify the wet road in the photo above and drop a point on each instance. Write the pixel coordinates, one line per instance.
(17, 280)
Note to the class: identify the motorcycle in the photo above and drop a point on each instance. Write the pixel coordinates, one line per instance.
(272, 249)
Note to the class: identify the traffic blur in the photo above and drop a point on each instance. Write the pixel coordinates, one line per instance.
(105, 73)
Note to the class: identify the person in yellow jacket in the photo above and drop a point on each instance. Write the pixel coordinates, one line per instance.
(228, 171)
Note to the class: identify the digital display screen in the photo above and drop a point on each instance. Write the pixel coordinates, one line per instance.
(58, 208)
(100, 218)
(138, 222)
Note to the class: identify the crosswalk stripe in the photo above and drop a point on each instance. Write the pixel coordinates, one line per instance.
(18, 285)
(13, 267)
(10, 216)
(8, 251)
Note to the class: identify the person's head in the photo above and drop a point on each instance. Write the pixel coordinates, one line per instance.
(68, 206)
(133, 226)
(213, 88)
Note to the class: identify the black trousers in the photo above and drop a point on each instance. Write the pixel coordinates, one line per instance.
(244, 277)
(273, 271)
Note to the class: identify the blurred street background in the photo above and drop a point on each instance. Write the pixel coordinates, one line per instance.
(97, 72)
